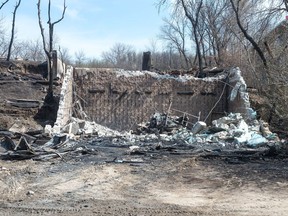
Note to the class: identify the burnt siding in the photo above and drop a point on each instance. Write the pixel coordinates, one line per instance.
(123, 102)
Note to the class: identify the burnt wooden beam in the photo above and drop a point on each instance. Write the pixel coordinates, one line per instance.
(208, 93)
(186, 93)
(93, 91)
(23, 103)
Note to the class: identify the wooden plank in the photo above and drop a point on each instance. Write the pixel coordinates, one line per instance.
(23, 103)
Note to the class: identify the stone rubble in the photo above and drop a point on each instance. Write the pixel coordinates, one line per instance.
(162, 131)
(231, 129)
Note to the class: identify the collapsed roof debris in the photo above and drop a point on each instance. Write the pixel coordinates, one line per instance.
(230, 132)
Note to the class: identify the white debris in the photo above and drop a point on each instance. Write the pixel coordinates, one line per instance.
(257, 139)
(199, 126)
(134, 148)
(240, 89)
(102, 131)
(264, 128)
(74, 128)
(230, 119)
(30, 193)
(181, 78)
(229, 129)
(48, 130)
(240, 129)
(232, 127)
(243, 138)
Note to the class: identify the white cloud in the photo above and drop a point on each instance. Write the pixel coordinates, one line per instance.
(76, 9)
(72, 13)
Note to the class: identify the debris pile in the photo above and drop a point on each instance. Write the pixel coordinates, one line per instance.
(44, 145)
(162, 123)
(231, 129)
(162, 133)
(21, 146)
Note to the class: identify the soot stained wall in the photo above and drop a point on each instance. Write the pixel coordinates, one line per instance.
(121, 102)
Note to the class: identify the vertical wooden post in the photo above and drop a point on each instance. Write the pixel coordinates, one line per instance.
(54, 64)
(146, 61)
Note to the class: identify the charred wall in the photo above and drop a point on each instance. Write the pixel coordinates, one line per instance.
(121, 101)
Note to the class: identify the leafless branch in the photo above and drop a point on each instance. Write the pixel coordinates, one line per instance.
(13, 30)
(286, 4)
(49, 50)
(63, 13)
(194, 20)
(41, 27)
(2, 5)
(236, 9)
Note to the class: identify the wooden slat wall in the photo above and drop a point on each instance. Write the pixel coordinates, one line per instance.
(123, 102)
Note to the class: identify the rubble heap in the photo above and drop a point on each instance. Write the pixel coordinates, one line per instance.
(231, 129)
(229, 132)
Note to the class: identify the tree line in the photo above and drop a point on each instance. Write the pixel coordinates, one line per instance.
(207, 33)
(195, 34)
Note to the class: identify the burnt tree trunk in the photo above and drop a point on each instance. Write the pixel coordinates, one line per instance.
(49, 50)
(194, 20)
(13, 30)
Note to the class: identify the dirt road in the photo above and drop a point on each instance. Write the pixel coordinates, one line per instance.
(163, 185)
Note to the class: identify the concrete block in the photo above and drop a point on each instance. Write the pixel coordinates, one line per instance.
(74, 128)
(199, 126)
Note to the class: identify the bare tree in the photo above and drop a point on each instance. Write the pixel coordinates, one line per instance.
(192, 12)
(236, 6)
(210, 21)
(121, 56)
(175, 33)
(95, 63)
(64, 55)
(153, 45)
(80, 58)
(2, 5)
(191, 9)
(3, 40)
(13, 30)
(48, 51)
(31, 50)
(217, 23)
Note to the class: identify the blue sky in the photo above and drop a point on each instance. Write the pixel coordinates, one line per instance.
(91, 26)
